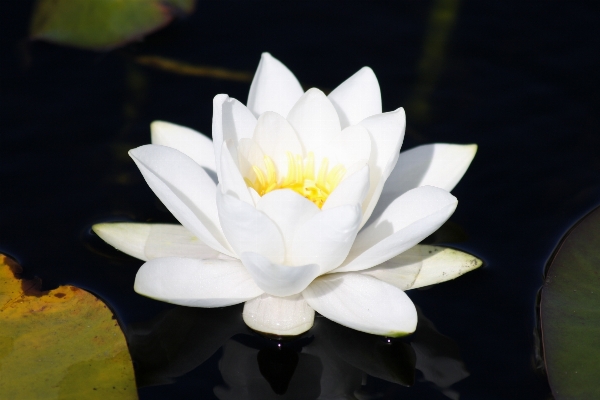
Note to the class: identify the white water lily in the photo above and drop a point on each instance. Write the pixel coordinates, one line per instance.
(314, 209)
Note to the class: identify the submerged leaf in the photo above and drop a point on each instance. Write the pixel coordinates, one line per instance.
(570, 312)
(62, 343)
(102, 24)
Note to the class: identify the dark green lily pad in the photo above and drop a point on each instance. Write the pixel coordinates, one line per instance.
(570, 312)
(102, 24)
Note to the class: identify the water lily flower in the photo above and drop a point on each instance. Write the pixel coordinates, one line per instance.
(300, 202)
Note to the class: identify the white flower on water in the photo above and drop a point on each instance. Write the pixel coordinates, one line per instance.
(314, 209)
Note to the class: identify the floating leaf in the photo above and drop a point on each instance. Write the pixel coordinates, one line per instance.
(102, 24)
(63, 343)
(570, 312)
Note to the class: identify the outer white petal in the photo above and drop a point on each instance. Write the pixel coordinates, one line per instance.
(357, 98)
(288, 210)
(285, 316)
(441, 165)
(408, 220)
(148, 241)
(188, 141)
(276, 138)
(423, 266)
(231, 121)
(248, 229)
(363, 303)
(387, 134)
(128, 237)
(315, 120)
(326, 238)
(196, 283)
(352, 190)
(185, 189)
(277, 279)
(167, 240)
(274, 88)
(231, 179)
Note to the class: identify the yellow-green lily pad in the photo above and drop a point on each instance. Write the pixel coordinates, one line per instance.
(102, 24)
(59, 344)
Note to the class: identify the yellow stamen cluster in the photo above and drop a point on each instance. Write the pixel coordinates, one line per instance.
(300, 178)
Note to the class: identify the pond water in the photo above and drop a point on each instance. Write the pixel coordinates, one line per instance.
(517, 78)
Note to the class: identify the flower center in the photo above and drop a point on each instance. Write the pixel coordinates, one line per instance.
(300, 178)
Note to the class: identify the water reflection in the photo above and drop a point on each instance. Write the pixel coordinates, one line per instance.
(329, 362)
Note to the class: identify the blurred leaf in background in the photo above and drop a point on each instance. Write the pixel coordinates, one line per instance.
(62, 343)
(570, 312)
(102, 24)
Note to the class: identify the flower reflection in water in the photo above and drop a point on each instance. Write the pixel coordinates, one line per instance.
(329, 362)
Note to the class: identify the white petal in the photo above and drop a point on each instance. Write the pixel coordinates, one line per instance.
(350, 146)
(167, 240)
(248, 229)
(352, 190)
(408, 220)
(130, 238)
(363, 303)
(423, 266)
(387, 134)
(231, 121)
(315, 120)
(188, 141)
(357, 98)
(185, 189)
(441, 165)
(196, 283)
(250, 154)
(217, 128)
(276, 279)
(238, 121)
(285, 316)
(288, 210)
(255, 196)
(274, 88)
(277, 138)
(326, 238)
(231, 180)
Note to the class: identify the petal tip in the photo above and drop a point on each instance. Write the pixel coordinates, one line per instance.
(400, 112)
(127, 237)
(101, 229)
(473, 148)
(158, 124)
(220, 99)
(367, 73)
(159, 128)
(135, 153)
(398, 334)
(314, 92)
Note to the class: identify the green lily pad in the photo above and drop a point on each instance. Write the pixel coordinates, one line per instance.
(102, 24)
(59, 344)
(570, 312)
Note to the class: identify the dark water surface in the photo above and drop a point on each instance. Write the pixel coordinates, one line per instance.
(518, 78)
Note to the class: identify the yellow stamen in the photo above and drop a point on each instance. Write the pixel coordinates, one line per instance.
(300, 178)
